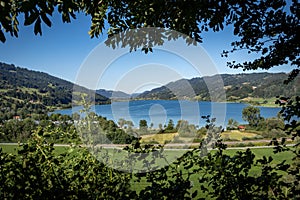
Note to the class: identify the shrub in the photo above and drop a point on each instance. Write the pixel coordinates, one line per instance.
(247, 138)
(274, 133)
(177, 140)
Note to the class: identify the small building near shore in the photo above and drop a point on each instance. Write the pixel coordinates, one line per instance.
(241, 128)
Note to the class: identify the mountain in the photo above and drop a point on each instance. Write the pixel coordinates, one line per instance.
(113, 94)
(26, 91)
(134, 95)
(237, 87)
(116, 95)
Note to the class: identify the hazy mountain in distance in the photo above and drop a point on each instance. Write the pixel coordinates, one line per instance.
(116, 94)
(113, 94)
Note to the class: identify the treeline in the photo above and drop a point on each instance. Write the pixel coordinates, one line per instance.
(64, 129)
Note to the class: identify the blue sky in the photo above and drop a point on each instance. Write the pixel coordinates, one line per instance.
(63, 49)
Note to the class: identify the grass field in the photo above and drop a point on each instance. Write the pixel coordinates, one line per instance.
(237, 135)
(159, 138)
(234, 135)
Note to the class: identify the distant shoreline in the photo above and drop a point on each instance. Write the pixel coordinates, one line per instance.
(250, 102)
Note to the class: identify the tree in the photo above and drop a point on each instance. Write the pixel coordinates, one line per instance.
(143, 123)
(170, 126)
(160, 128)
(251, 114)
(75, 116)
(121, 122)
(232, 124)
(129, 123)
(275, 123)
(143, 126)
(151, 125)
(270, 29)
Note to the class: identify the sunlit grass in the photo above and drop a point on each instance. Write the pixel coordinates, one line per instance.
(159, 138)
(237, 135)
(268, 102)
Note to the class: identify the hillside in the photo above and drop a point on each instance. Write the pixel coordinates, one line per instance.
(116, 95)
(238, 87)
(113, 94)
(24, 91)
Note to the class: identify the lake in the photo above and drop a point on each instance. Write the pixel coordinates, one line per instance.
(160, 111)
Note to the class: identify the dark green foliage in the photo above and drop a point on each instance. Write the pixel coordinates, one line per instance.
(143, 127)
(170, 127)
(63, 130)
(291, 113)
(251, 114)
(38, 173)
(20, 130)
(94, 130)
(185, 129)
(268, 29)
(229, 178)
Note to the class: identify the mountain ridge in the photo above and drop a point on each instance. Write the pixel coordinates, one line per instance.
(236, 86)
(116, 95)
(113, 94)
(24, 91)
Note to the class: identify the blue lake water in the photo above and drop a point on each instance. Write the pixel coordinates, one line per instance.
(160, 111)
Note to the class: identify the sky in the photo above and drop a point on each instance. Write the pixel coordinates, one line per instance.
(67, 51)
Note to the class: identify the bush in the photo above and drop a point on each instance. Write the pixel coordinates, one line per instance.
(152, 142)
(39, 173)
(257, 137)
(230, 139)
(274, 133)
(247, 138)
(197, 140)
(177, 140)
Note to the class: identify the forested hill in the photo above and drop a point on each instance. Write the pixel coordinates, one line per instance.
(238, 87)
(24, 91)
